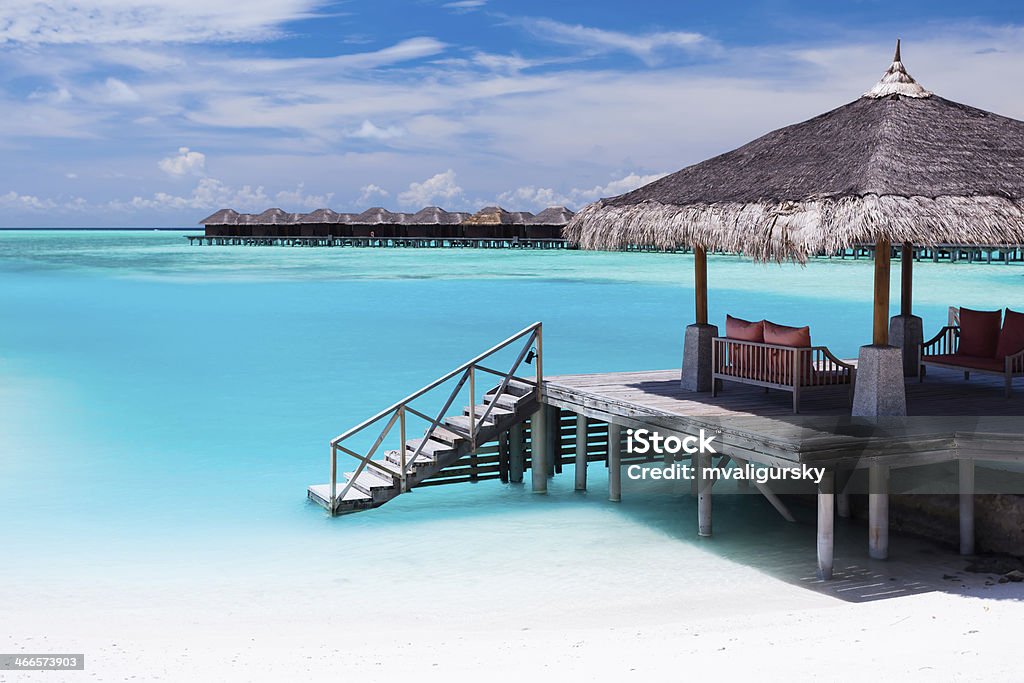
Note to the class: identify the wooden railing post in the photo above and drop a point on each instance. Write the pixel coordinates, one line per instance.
(334, 477)
(401, 428)
(472, 408)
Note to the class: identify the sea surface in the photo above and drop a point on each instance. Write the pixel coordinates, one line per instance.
(163, 407)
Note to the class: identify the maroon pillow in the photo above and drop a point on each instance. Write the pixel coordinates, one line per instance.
(786, 336)
(781, 368)
(1011, 339)
(979, 332)
(744, 330)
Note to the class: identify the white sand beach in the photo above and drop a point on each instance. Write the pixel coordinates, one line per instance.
(608, 592)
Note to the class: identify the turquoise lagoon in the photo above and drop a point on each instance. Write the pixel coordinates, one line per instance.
(163, 407)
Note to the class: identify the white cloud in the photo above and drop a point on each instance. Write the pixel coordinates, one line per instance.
(13, 200)
(403, 51)
(56, 96)
(532, 197)
(117, 91)
(146, 21)
(649, 47)
(462, 6)
(369, 192)
(185, 162)
(434, 190)
(298, 199)
(372, 132)
(209, 193)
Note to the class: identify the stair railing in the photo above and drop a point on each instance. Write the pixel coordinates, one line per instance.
(532, 351)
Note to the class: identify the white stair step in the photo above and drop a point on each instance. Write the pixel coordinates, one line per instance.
(506, 401)
(323, 491)
(369, 481)
(447, 436)
(434, 449)
(515, 388)
(422, 460)
(460, 423)
(493, 416)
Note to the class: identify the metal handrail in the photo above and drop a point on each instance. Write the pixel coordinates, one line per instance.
(398, 411)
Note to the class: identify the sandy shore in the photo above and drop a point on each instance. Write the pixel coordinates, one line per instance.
(867, 625)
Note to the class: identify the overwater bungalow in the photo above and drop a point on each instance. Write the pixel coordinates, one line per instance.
(899, 166)
(492, 222)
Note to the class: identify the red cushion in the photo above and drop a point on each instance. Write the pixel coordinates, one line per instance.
(787, 336)
(781, 370)
(737, 328)
(1011, 339)
(743, 358)
(979, 333)
(962, 361)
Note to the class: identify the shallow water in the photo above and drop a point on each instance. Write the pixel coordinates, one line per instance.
(164, 406)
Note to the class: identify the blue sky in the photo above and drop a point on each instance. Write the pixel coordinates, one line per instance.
(157, 112)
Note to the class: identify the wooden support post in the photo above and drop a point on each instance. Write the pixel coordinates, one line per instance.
(700, 284)
(880, 328)
(538, 450)
(878, 511)
(704, 482)
(555, 434)
(614, 463)
(907, 279)
(503, 458)
(826, 525)
(966, 506)
(581, 452)
(843, 505)
(515, 453)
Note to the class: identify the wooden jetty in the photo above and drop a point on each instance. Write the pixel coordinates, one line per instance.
(383, 242)
(540, 424)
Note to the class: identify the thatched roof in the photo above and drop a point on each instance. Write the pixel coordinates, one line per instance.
(434, 215)
(899, 163)
(376, 216)
(553, 215)
(430, 215)
(222, 217)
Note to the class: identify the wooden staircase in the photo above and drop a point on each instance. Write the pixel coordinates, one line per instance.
(447, 439)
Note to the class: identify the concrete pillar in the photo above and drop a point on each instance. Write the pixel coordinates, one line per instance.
(966, 506)
(581, 452)
(826, 525)
(704, 482)
(906, 332)
(878, 511)
(539, 447)
(879, 390)
(696, 375)
(515, 453)
(614, 463)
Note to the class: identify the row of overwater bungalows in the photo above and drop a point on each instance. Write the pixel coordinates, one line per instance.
(430, 222)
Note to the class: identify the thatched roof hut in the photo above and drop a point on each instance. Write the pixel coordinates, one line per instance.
(899, 164)
(376, 216)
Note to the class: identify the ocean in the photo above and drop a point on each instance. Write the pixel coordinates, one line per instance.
(163, 407)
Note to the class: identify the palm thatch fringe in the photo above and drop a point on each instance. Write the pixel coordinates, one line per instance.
(792, 231)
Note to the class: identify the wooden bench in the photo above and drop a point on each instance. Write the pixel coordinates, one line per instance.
(944, 351)
(772, 366)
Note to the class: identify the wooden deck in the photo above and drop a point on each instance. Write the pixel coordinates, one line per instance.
(951, 421)
(949, 418)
